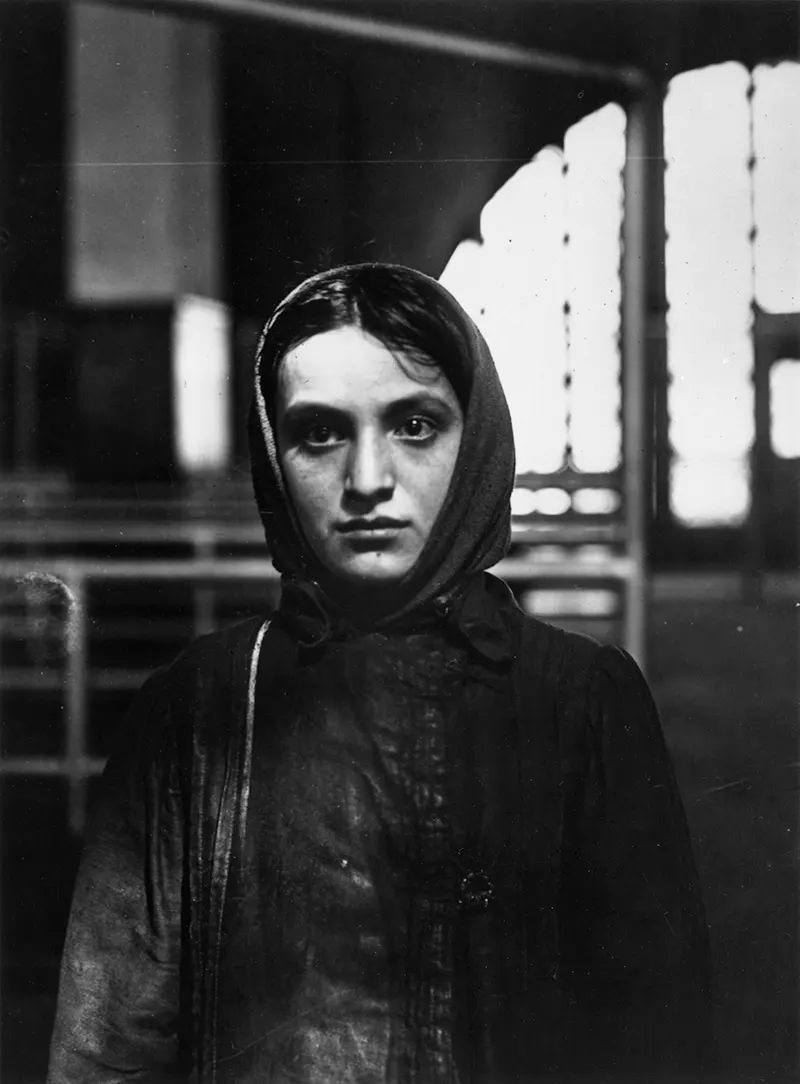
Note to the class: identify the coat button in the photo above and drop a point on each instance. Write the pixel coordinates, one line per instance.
(475, 892)
(442, 606)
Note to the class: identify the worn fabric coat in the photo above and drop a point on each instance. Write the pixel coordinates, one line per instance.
(441, 847)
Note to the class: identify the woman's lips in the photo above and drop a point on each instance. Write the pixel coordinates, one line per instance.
(379, 527)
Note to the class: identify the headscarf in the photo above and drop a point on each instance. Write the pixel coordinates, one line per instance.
(472, 530)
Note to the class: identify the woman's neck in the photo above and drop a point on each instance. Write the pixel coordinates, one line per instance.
(362, 604)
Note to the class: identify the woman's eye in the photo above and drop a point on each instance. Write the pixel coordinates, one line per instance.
(417, 428)
(318, 436)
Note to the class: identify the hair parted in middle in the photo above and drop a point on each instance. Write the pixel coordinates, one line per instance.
(406, 314)
(422, 324)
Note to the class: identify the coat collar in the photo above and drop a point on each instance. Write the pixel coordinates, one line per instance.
(480, 612)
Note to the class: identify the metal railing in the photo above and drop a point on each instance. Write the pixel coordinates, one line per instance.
(207, 578)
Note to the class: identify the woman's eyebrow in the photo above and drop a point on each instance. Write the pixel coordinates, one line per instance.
(422, 400)
(297, 412)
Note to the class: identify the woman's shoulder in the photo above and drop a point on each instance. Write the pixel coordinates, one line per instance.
(217, 657)
(577, 651)
(209, 668)
(199, 691)
(561, 647)
(587, 680)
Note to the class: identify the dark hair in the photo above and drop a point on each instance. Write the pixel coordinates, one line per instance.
(407, 312)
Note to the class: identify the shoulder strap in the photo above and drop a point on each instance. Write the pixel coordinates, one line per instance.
(232, 814)
(220, 703)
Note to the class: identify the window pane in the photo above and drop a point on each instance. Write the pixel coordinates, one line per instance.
(776, 179)
(595, 155)
(201, 384)
(705, 492)
(551, 236)
(513, 286)
(784, 401)
(709, 290)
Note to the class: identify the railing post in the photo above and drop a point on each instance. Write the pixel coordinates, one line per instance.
(640, 159)
(77, 700)
(203, 593)
(26, 403)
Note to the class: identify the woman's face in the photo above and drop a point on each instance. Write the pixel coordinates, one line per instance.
(367, 450)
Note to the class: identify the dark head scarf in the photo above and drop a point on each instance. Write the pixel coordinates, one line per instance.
(472, 530)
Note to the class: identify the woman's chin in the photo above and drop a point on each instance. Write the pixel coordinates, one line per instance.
(374, 570)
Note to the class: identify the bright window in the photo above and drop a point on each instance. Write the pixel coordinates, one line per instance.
(543, 286)
(709, 281)
(201, 384)
(784, 399)
(776, 189)
(733, 228)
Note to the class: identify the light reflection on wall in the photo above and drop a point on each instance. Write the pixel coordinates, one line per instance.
(201, 384)
(543, 286)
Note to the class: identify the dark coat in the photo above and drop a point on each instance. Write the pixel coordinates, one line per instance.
(245, 911)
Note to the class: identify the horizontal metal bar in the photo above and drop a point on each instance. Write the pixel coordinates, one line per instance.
(226, 569)
(52, 766)
(419, 38)
(566, 534)
(43, 532)
(61, 533)
(570, 480)
(611, 569)
(222, 569)
(52, 680)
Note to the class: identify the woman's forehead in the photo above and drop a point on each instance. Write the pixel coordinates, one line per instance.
(348, 369)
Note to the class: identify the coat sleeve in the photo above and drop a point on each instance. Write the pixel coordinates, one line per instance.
(635, 945)
(117, 1016)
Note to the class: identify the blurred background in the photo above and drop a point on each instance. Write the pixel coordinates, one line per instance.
(610, 188)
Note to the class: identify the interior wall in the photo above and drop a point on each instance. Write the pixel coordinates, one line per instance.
(32, 96)
(339, 152)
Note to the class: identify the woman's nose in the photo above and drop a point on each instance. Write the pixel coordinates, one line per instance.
(370, 472)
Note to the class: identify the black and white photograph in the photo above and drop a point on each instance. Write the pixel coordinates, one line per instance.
(399, 541)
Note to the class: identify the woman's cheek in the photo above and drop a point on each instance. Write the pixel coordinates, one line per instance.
(314, 493)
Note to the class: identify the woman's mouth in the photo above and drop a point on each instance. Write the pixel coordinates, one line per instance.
(371, 526)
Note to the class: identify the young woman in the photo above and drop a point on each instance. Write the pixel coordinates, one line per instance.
(402, 832)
